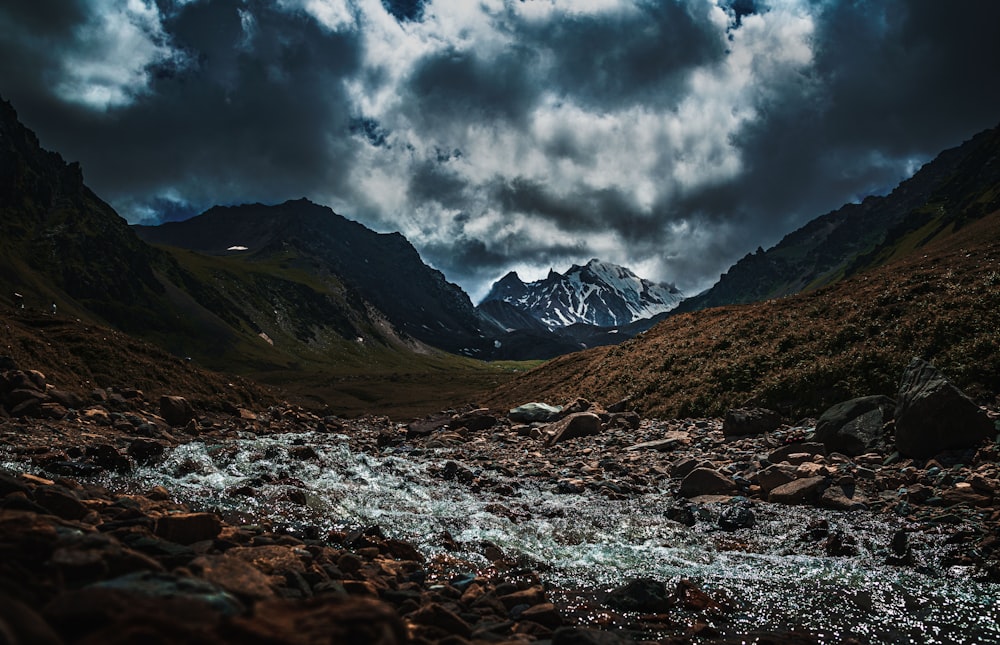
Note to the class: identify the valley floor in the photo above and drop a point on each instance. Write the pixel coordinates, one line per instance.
(275, 525)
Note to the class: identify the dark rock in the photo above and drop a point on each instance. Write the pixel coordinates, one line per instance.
(544, 614)
(175, 410)
(340, 620)
(20, 624)
(145, 450)
(583, 636)
(744, 421)
(455, 470)
(60, 502)
(810, 448)
(439, 616)
(580, 424)
(681, 514)
(706, 481)
(737, 516)
(644, 595)
(842, 498)
(620, 406)
(66, 398)
(475, 420)
(932, 415)
(107, 456)
(854, 427)
(188, 528)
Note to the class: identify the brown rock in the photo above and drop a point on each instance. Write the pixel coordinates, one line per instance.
(235, 575)
(188, 528)
(327, 620)
(772, 477)
(531, 596)
(807, 448)
(175, 410)
(544, 614)
(580, 424)
(706, 481)
(439, 616)
(843, 498)
(799, 491)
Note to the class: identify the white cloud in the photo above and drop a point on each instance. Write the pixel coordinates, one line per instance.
(109, 62)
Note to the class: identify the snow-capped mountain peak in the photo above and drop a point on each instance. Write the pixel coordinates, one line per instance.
(597, 293)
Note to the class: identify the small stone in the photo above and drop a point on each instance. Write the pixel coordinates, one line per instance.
(188, 528)
(531, 412)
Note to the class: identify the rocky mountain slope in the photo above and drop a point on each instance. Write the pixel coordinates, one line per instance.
(958, 186)
(383, 271)
(598, 293)
(806, 352)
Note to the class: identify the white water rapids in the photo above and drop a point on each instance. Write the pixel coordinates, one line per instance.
(773, 575)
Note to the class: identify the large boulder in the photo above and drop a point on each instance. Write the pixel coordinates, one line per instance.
(530, 412)
(932, 415)
(707, 481)
(745, 421)
(175, 410)
(855, 427)
(581, 424)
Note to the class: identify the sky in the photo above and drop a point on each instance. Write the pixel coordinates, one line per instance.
(672, 136)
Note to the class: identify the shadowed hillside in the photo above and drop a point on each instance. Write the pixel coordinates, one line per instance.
(803, 353)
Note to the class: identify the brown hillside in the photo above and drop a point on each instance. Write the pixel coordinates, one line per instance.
(80, 357)
(803, 353)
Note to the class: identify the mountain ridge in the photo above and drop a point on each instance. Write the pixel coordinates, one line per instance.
(865, 235)
(597, 293)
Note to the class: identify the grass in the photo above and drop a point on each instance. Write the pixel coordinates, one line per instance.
(804, 353)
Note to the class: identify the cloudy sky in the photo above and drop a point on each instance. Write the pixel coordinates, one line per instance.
(671, 136)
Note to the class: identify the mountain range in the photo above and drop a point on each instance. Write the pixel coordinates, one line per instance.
(296, 293)
(597, 293)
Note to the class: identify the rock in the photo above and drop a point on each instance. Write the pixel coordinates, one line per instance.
(60, 502)
(439, 616)
(805, 448)
(580, 424)
(175, 410)
(19, 624)
(737, 516)
(744, 421)
(531, 412)
(854, 427)
(671, 440)
(772, 477)
(345, 620)
(531, 596)
(620, 406)
(584, 636)
(107, 456)
(475, 420)
(66, 399)
(799, 491)
(145, 450)
(706, 481)
(188, 528)
(644, 595)
(843, 498)
(544, 614)
(932, 415)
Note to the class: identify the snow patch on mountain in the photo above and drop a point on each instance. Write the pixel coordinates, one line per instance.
(598, 293)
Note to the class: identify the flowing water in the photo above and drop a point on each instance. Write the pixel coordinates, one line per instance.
(773, 574)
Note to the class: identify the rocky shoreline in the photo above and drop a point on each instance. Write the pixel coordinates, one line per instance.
(89, 561)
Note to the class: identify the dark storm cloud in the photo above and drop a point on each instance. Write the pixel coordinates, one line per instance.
(892, 81)
(640, 55)
(456, 84)
(678, 134)
(582, 212)
(250, 117)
